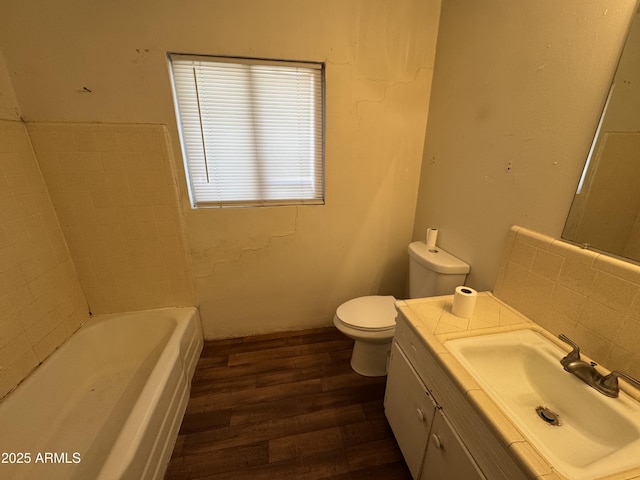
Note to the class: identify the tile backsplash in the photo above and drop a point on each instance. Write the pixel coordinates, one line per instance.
(592, 298)
(115, 194)
(41, 301)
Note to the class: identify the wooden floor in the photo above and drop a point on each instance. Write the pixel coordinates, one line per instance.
(287, 407)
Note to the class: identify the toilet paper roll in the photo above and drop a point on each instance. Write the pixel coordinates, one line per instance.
(464, 301)
(432, 236)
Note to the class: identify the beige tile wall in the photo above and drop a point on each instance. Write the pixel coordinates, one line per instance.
(592, 298)
(115, 193)
(41, 302)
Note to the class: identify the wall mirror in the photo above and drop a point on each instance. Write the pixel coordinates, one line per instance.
(605, 213)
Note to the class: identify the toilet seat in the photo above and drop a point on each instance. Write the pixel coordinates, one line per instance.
(370, 313)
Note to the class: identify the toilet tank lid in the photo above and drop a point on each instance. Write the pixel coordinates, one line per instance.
(439, 260)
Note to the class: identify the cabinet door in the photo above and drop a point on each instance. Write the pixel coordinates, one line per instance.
(447, 457)
(409, 409)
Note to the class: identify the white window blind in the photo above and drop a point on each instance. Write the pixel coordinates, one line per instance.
(251, 131)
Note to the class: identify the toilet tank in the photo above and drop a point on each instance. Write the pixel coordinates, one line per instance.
(434, 272)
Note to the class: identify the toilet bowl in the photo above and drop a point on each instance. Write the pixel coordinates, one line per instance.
(371, 322)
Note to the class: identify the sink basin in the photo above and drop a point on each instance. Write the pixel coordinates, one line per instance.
(582, 433)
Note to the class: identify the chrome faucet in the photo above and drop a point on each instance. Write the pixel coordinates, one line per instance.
(605, 384)
(573, 355)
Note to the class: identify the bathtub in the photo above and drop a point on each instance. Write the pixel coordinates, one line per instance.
(107, 404)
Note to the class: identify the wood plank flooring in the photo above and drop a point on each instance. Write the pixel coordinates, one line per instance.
(285, 406)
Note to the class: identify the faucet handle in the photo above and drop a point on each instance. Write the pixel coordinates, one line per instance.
(573, 355)
(610, 382)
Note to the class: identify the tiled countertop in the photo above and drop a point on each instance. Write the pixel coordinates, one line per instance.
(432, 320)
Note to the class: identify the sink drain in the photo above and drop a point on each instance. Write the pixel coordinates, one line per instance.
(548, 416)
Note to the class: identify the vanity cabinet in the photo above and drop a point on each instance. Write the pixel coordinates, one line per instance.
(409, 409)
(440, 434)
(420, 426)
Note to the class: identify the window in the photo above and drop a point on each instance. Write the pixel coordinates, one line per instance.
(251, 130)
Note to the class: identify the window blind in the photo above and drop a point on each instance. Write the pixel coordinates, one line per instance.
(251, 131)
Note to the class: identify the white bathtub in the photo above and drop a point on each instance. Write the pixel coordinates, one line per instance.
(107, 404)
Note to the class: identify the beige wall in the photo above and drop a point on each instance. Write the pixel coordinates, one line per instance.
(115, 194)
(592, 298)
(517, 92)
(259, 269)
(9, 109)
(622, 112)
(41, 302)
(515, 100)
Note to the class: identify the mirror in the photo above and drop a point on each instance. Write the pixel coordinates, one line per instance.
(605, 213)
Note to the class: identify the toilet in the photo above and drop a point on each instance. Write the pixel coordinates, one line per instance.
(371, 321)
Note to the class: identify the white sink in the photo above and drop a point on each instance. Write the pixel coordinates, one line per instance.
(521, 371)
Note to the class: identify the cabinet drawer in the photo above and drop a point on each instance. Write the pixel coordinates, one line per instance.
(417, 354)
